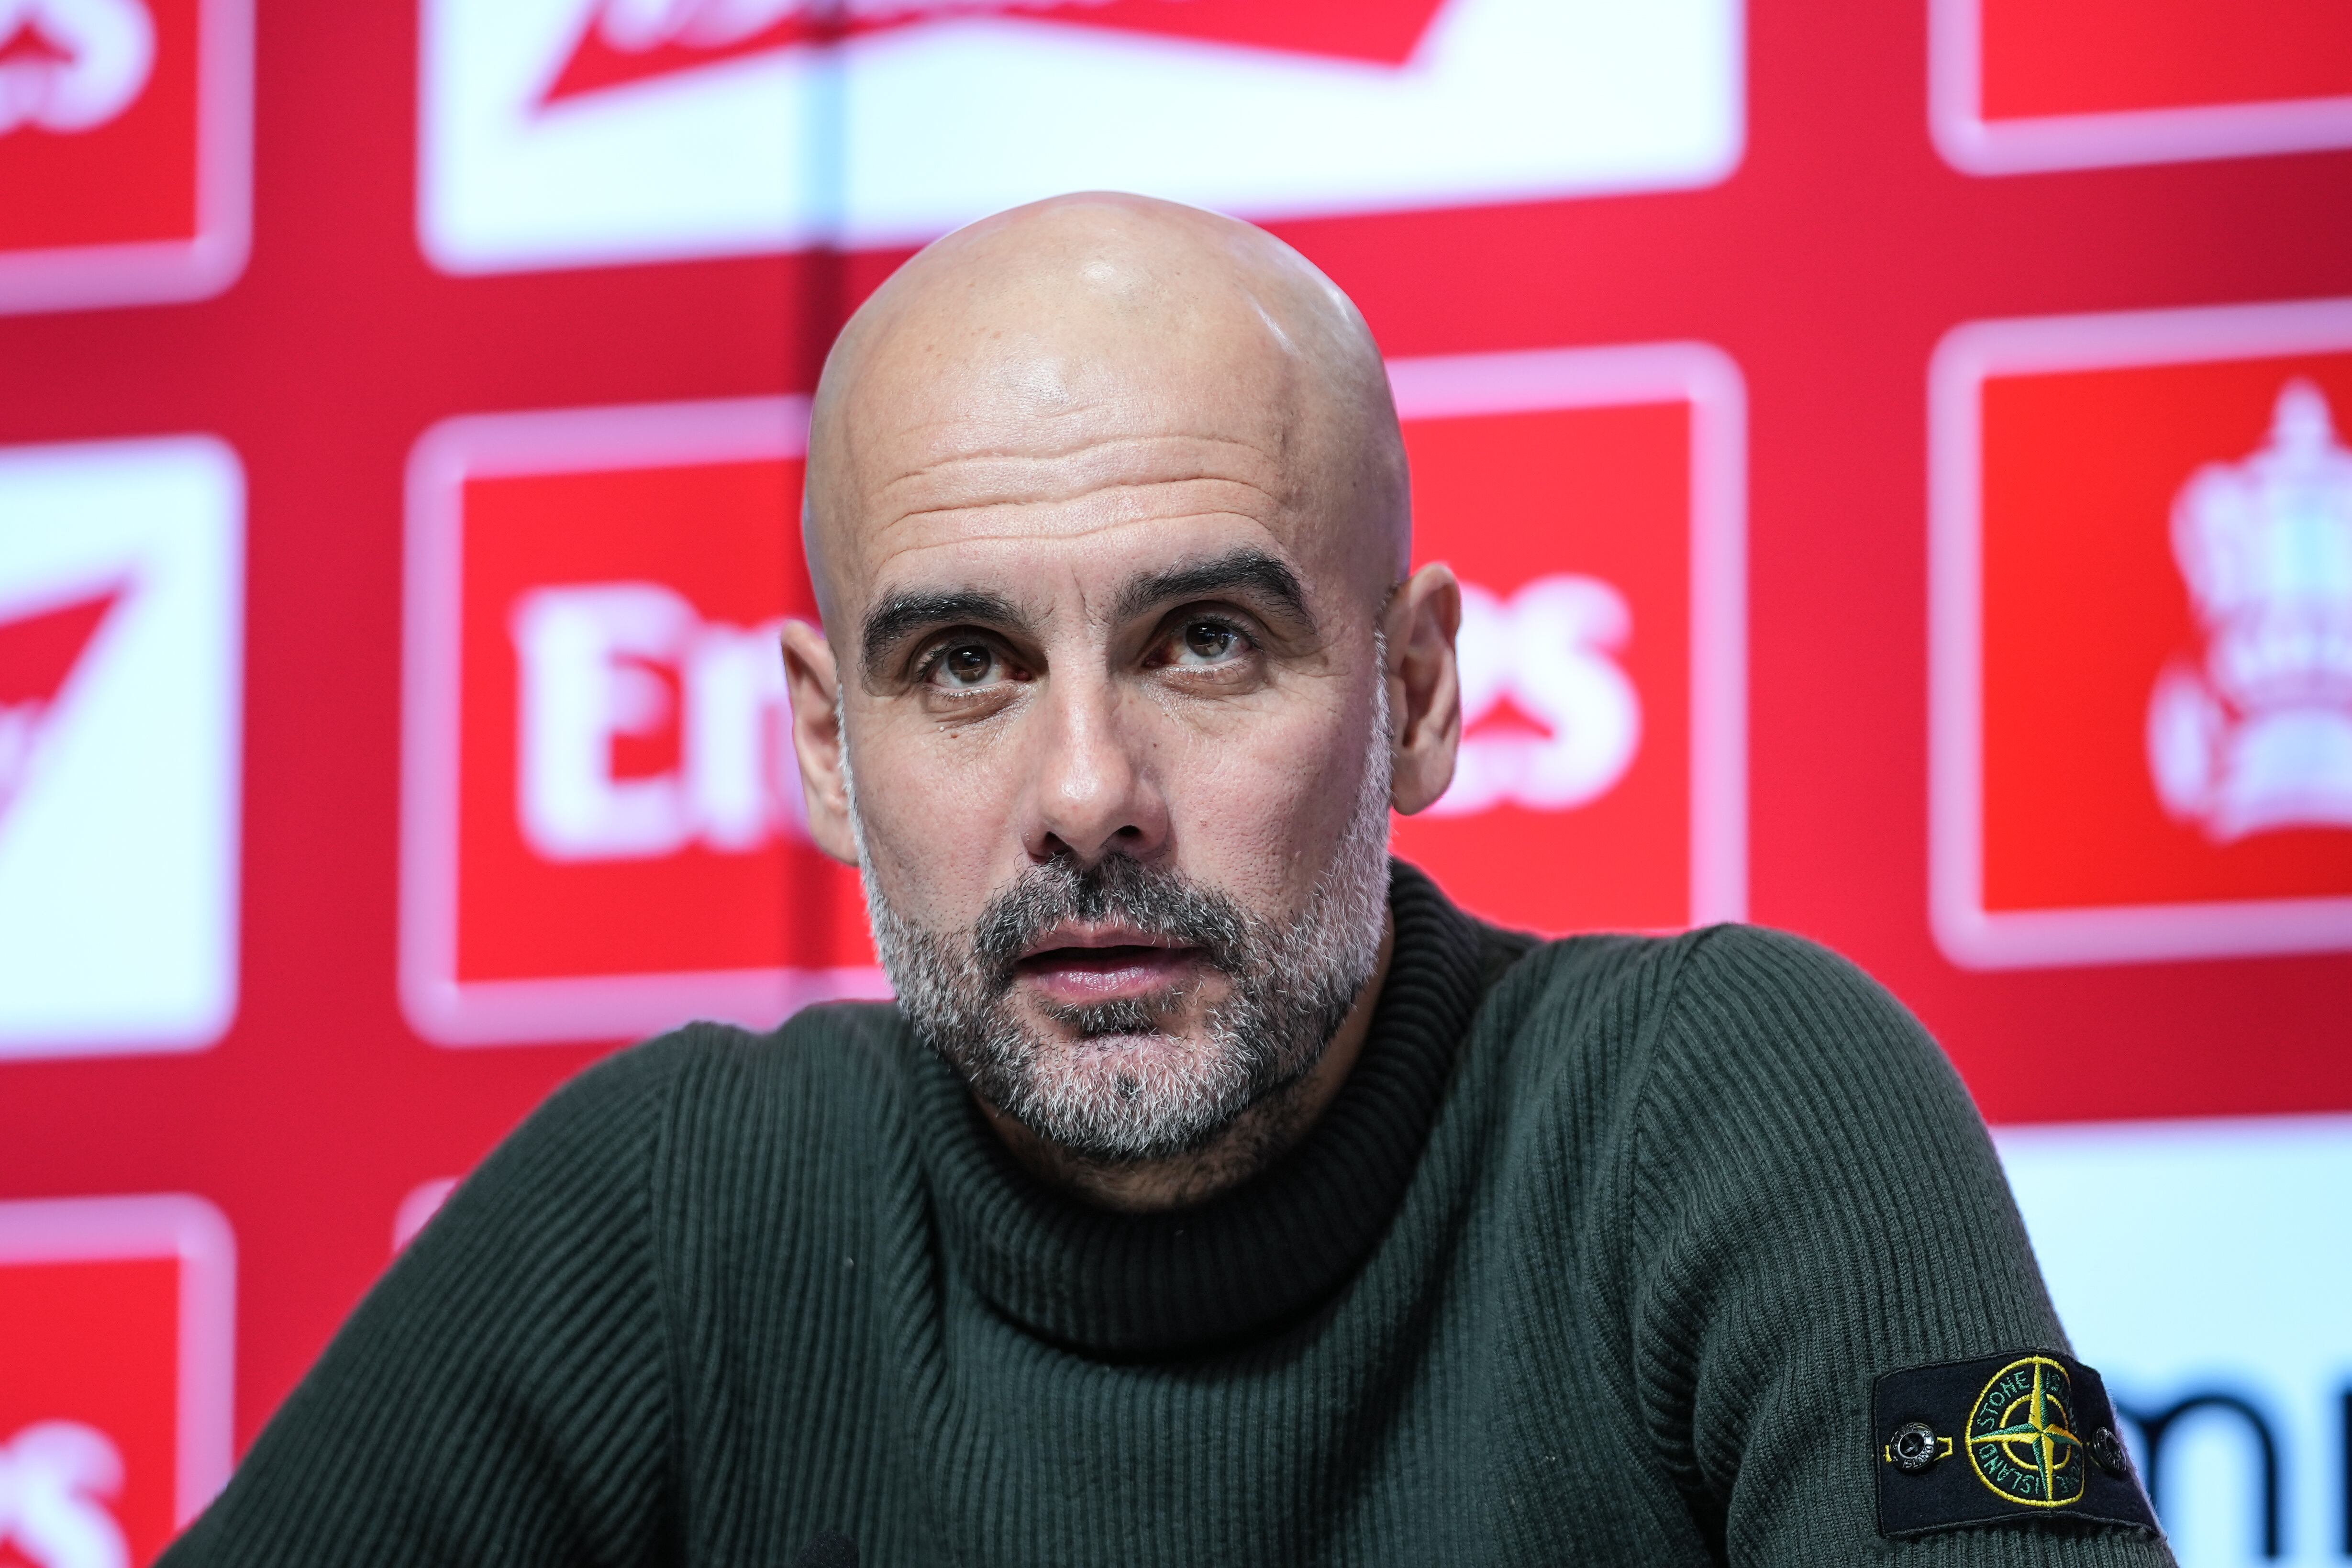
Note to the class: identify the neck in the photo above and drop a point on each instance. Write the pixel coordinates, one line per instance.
(1261, 1135)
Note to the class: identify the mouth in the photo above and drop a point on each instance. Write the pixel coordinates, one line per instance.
(1074, 965)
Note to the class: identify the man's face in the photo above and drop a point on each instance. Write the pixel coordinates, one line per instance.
(1114, 703)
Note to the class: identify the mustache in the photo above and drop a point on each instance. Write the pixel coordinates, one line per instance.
(1157, 901)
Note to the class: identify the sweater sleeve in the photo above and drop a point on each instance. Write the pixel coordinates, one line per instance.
(1816, 1203)
(502, 1394)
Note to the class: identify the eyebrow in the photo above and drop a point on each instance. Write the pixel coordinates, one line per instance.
(900, 613)
(1245, 569)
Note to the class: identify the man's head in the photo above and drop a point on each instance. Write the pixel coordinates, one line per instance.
(1120, 669)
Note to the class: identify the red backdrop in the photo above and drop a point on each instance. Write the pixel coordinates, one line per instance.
(1827, 265)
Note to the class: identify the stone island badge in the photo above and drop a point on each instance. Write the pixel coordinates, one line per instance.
(2017, 1438)
(2021, 1439)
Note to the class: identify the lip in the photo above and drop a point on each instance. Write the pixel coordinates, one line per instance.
(1075, 964)
(1070, 934)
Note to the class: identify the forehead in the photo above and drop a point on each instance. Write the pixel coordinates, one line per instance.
(1029, 455)
(1056, 552)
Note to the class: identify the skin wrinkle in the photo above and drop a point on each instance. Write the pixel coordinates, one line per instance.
(1129, 507)
(1060, 467)
(1092, 485)
(1040, 452)
(919, 514)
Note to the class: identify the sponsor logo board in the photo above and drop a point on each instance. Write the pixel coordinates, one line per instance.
(2023, 85)
(121, 577)
(602, 829)
(2142, 584)
(114, 1417)
(2203, 1267)
(1591, 501)
(568, 132)
(125, 149)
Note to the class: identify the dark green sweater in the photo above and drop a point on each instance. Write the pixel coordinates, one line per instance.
(1593, 1259)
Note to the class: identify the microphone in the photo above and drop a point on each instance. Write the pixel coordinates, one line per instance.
(828, 1550)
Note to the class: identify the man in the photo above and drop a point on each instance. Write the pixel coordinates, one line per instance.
(1216, 1193)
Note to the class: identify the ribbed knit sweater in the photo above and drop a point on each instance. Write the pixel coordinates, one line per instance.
(1593, 1258)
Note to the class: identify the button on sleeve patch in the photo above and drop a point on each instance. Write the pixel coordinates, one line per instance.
(2023, 1438)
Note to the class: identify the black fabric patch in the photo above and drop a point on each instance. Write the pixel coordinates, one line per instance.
(2028, 1437)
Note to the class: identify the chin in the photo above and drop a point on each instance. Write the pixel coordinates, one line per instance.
(1169, 1087)
(1127, 1055)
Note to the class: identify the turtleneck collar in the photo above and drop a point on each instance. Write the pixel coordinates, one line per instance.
(1271, 1250)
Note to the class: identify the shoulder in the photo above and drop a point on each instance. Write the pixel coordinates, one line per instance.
(1736, 1035)
(818, 1047)
(702, 1089)
(1769, 973)
(809, 1113)
(1783, 1084)
(710, 1080)
(1771, 1013)
(1593, 1000)
(1719, 990)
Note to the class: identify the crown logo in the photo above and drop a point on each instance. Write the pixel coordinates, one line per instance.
(2257, 735)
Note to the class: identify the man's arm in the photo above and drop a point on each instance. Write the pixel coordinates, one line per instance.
(503, 1395)
(1818, 1208)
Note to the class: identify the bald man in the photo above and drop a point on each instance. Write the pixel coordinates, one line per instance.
(1214, 1192)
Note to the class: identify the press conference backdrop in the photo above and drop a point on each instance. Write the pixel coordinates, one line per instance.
(1898, 454)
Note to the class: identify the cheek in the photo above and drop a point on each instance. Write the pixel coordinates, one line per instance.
(938, 815)
(1261, 809)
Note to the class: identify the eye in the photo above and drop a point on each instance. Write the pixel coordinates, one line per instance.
(964, 664)
(1204, 641)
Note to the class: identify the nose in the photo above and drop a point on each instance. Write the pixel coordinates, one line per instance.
(1092, 789)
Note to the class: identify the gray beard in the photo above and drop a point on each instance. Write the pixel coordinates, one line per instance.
(1292, 982)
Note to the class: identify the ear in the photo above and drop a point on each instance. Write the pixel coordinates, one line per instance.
(1424, 685)
(814, 683)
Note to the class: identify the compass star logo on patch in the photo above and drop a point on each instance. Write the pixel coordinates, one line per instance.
(2258, 734)
(2021, 1439)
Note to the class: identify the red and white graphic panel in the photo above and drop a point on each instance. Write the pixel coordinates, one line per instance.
(601, 831)
(125, 149)
(121, 583)
(115, 1415)
(568, 132)
(2142, 581)
(1592, 501)
(2023, 85)
(2203, 1267)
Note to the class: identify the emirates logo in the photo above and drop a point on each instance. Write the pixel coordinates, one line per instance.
(2257, 734)
(1550, 719)
(611, 670)
(69, 66)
